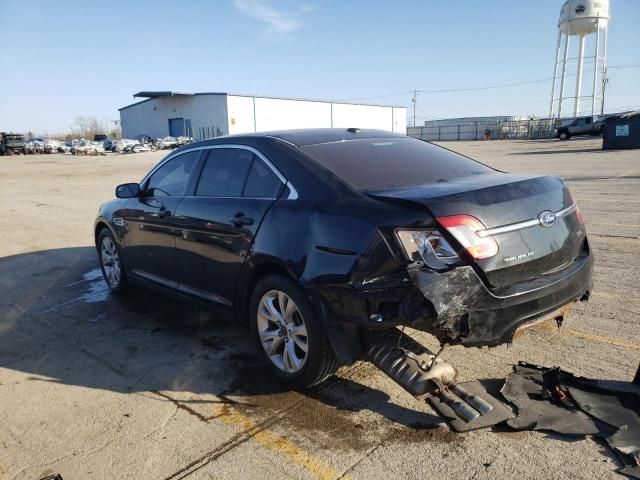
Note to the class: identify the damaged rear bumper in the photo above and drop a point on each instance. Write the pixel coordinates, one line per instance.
(470, 314)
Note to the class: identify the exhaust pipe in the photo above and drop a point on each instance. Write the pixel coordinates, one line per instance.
(423, 374)
(417, 374)
(462, 409)
(479, 403)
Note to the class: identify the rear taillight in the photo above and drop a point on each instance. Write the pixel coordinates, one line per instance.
(578, 212)
(464, 228)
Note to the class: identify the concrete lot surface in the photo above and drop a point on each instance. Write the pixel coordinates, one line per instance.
(145, 387)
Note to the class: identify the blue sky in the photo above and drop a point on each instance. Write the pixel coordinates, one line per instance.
(86, 58)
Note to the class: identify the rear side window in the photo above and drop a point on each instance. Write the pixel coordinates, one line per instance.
(262, 182)
(380, 164)
(171, 179)
(224, 172)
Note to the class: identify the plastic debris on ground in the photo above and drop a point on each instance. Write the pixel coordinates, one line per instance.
(551, 399)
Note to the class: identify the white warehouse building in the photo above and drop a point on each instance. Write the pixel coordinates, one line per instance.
(206, 115)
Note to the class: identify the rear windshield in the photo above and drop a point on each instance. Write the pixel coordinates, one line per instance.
(380, 164)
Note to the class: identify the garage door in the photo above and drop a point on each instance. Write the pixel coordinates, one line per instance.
(176, 127)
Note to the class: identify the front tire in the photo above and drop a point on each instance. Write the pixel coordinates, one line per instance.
(564, 135)
(111, 262)
(291, 339)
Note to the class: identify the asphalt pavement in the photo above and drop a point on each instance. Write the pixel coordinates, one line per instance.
(147, 387)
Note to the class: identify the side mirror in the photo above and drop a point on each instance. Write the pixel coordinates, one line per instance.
(128, 190)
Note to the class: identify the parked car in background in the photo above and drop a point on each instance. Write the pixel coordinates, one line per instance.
(173, 142)
(122, 144)
(167, 142)
(35, 145)
(85, 147)
(11, 143)
(107, 144)
(54, 146)
(315, 238)
(580, 126)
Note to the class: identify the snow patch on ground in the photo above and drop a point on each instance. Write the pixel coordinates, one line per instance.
(97, 288)
(95, 274)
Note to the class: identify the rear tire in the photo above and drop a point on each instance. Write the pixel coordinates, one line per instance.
(111, 263)
(284, 323)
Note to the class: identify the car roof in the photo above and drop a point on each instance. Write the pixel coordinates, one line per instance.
(308, 136)
(315, 136)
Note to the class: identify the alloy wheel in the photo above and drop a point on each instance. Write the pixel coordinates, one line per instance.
(282, 331)
(110, 262)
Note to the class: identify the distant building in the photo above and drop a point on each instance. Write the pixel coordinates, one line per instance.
(473, 128)
(206, 115)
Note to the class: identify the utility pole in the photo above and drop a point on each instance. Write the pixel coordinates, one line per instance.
(605, 81)
(415, 95)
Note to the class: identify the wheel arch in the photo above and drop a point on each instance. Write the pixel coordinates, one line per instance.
(265, 266)
(255, 270)
(100, 225)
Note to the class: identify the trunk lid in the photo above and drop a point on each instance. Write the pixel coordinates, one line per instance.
(498, 200)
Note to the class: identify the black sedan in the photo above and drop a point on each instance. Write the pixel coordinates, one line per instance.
(316, 237)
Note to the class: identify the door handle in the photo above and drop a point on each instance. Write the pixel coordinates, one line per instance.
(161, 213)
(240, 220)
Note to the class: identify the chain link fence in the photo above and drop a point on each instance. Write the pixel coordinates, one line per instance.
(533, 128)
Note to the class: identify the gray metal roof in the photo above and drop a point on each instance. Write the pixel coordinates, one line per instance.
(168, 93)
(152, 94)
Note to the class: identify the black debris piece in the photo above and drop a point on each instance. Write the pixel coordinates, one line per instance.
(616, 407)
(554, 400)
(540, 407)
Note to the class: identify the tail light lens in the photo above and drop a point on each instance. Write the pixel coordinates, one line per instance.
(429, 247)
(464, 228)
(578, 212)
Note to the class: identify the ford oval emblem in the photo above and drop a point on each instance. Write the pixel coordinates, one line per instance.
(547, 218)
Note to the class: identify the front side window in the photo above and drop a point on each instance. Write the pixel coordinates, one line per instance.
(171, 179)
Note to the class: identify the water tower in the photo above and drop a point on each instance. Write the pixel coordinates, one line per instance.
(585, 21)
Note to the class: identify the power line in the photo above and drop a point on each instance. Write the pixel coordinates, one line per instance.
(517, 84)
(630, 65)
(378, 96)
(487, 87)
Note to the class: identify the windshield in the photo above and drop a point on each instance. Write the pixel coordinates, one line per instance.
(385, 163)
